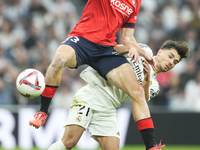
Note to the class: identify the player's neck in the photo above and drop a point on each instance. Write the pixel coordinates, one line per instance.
(157, 70)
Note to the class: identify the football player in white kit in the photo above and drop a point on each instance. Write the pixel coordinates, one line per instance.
(94, 106)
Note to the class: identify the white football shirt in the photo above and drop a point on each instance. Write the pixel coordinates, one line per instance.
(100, 95)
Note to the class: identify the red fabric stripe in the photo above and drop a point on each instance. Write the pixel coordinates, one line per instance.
(49, 91)
(145, 124)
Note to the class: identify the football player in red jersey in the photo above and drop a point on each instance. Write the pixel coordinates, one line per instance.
(92, 42)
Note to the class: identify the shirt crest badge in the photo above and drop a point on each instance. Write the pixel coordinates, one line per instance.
(79, 119)
(134, 3)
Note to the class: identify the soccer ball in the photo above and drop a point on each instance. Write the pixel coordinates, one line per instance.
(30, 83)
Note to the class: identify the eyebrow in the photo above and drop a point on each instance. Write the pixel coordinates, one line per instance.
(174, 57)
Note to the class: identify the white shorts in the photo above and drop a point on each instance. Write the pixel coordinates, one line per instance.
(98, 123)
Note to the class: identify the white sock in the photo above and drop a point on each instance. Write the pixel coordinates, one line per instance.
(57, 146)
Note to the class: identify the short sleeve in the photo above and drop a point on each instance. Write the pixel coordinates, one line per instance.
(133, 17)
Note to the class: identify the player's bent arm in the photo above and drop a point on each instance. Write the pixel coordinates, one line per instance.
(129, 41)
(145, 85)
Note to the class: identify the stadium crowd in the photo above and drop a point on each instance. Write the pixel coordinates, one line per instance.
(31, 30)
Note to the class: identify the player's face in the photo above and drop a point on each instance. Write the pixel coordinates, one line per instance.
(167, 59)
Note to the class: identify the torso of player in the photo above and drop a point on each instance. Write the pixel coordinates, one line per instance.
(102, 19)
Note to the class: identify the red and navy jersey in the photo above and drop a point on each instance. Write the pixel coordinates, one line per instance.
(102, 19)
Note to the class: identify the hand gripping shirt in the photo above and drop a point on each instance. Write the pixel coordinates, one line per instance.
(102, 19)
(100, 95)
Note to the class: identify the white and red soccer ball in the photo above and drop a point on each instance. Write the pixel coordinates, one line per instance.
(30, 83)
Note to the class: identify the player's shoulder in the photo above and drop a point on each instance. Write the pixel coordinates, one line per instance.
(142, 45)
(146, 48)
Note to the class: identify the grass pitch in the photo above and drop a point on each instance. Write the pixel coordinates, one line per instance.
(138, 147)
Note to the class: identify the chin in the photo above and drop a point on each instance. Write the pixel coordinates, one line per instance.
(164, 70)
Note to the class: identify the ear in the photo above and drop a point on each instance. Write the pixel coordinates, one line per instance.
(159, 51)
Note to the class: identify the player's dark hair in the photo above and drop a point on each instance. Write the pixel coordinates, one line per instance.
(180, 46)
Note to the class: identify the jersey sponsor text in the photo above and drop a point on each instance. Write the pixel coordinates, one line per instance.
(121, 7)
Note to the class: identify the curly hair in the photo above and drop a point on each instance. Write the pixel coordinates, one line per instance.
(180, 46)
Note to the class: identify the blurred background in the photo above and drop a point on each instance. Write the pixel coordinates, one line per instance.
(31, 31)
